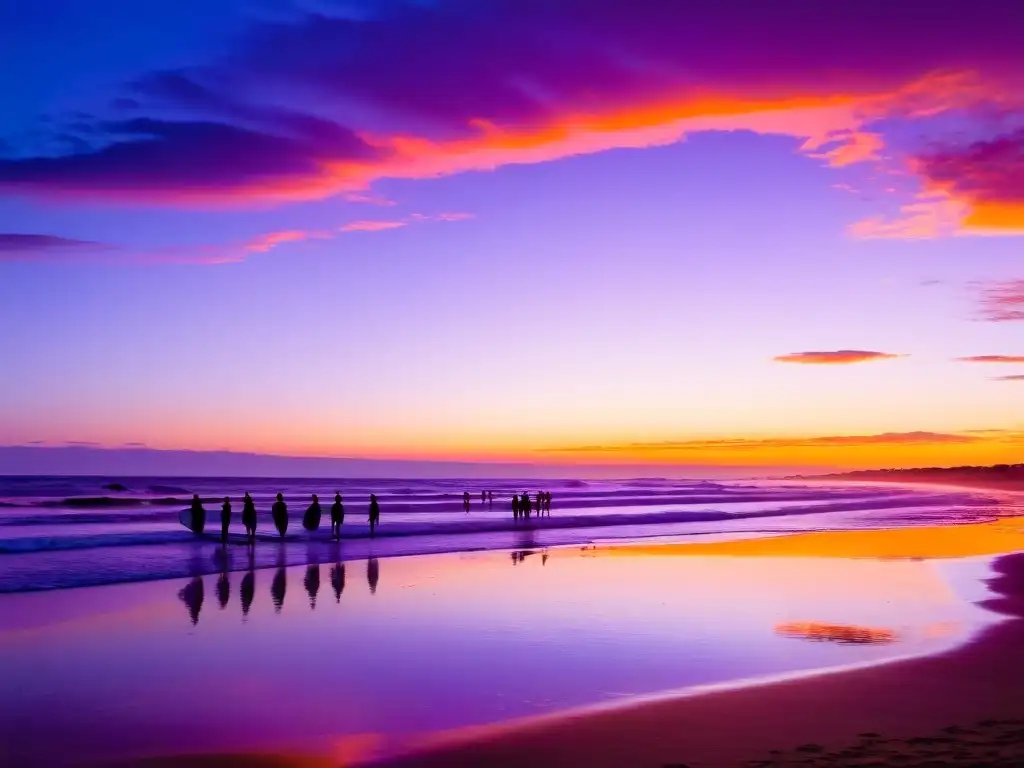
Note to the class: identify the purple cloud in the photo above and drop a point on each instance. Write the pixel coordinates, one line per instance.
(16, 246)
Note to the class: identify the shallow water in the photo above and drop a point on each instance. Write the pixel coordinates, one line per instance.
(367, 658)
(65, 532)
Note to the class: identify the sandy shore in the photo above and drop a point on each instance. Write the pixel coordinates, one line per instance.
(965, 707)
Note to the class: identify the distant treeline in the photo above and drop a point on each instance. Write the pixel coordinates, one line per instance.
(1002, 471)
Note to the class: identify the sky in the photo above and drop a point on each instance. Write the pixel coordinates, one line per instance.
(512, 230)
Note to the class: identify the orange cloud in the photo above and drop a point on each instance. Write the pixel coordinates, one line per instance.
(775, 443)
(992, 359)
(838, 357)
(264, 243)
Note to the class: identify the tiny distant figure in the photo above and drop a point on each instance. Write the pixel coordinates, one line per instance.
(198, 514)
(540, 503)
(483, 497)
(337, 516)
(524, 505)
(374, 513)
(465, 500)
(311, 520)
(515, 507)
(547, 503)
(280, 514)
(249, 517)
(225, 519)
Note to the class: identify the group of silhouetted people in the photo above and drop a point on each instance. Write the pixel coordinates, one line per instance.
(279, 514)
(523, 506)
(486, 497)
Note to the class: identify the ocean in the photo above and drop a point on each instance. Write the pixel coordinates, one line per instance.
(58, 532)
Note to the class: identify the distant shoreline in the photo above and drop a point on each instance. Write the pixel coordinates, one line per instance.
(1000, 477)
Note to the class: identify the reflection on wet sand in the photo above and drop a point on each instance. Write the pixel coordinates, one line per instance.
(372, 574)
(338, 580)
(192, 595)
(312, 584)
(277, 589)
(248, 591)
(836, 633)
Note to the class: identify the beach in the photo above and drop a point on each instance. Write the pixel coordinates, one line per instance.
(705, 650)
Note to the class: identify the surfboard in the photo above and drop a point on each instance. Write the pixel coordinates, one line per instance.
(185, 518)
(311, 520)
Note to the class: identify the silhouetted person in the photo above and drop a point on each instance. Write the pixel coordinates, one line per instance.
(372, 574)
(225, 519)
(277, 589)
(192, 595)
(465, 500)
(311, 520)
(515, 507)
(547, 503)
(280, 514)
(223, 590)
(248, 591)
(483, 497)
(524, 505)
(198, 514)
(337, 516)
(490, 498)
(540, 503)
(312, 583)
(374, 513)
(249, 517)
(338, 580)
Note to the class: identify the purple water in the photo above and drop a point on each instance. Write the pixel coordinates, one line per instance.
(71, 531)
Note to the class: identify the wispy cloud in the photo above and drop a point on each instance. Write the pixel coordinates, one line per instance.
(754, 444)
(371, 225)
(1014, 377)
(836, 357)
(1002, 301)
(992, 359)
(16, 246)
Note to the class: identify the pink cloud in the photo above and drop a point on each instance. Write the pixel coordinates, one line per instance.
(992, 359)
(1002, 301)
(371, 225)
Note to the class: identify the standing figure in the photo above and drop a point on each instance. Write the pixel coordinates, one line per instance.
(374, 513)
(337, 516)
(524, 505)
(225, 519)
(280, 514)
(483, 497)
(465, 501)
(490, 498)
(198, 514)
(515, 507)
(547, 503)
(249, 517)
(311, 520)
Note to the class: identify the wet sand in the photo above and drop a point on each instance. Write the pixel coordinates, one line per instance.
(963, 707)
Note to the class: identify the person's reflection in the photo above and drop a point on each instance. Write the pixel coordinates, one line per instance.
(223, 590)
(338, 580)
(544, 558)
(312, 583)
(248, 591)
(192, 595)
(372, 574)
(277, 589)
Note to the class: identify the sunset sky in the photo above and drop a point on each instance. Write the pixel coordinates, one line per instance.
(733, 232)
